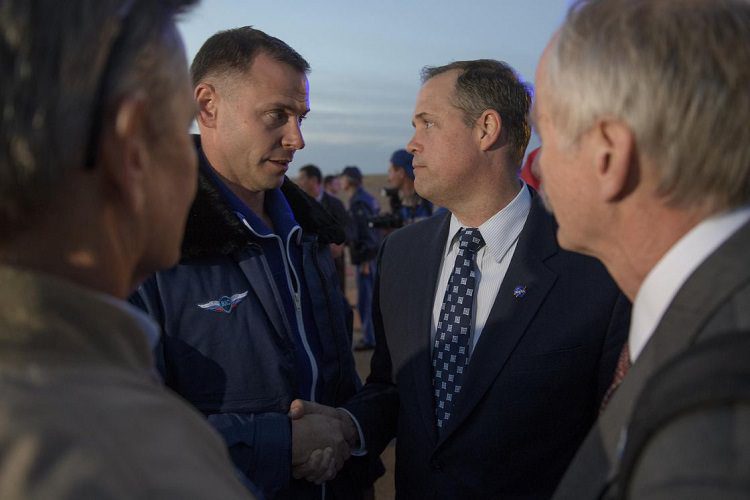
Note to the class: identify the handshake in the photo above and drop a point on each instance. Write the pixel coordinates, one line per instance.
(322, 440)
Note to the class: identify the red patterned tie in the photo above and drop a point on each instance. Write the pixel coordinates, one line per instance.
(623, 365)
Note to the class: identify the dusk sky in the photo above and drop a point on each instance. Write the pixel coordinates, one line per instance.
(366, 58)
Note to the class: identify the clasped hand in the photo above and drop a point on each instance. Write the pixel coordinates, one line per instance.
(322, 440)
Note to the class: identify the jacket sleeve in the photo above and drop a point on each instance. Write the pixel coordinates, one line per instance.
(376, 406)
(260, 445)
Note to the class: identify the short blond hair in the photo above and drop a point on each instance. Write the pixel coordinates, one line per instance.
(677, 72)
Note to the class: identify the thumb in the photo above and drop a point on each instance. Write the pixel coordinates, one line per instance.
(297, 409)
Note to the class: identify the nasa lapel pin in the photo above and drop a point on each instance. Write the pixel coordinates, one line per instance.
(519, 291)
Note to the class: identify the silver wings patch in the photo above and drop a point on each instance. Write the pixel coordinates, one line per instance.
(224, 304)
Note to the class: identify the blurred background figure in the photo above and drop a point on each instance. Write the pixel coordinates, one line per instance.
(363, 241)
(310, 180)
(406, 205)
(332, 184)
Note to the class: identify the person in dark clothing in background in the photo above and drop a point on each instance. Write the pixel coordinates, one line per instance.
(332, 184)
(363, 241)
(412, 207)
(310, 180)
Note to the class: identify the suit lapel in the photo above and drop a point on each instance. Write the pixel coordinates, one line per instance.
(710, 286)
(425, 266)
(510, 315)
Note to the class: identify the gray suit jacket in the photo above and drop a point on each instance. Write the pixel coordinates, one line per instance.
(714, 299)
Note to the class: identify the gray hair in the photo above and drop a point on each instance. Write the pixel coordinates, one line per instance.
(677, 72)
(488, 84)
(63, 65)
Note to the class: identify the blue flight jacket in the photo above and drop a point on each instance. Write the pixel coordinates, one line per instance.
(230, 347)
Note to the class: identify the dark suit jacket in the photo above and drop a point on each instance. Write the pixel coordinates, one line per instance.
(714, 300)
(533, 385)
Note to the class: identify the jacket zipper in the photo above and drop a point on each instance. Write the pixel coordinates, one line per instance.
(296, 299)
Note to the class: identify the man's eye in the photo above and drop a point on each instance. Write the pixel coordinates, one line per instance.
(300, 119)
(277, 116)
(428, 124)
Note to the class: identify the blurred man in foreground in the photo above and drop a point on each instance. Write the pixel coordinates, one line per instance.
(97, 173)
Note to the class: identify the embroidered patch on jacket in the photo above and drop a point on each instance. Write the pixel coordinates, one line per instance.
(224, 304)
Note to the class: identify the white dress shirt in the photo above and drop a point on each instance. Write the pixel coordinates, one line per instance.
(500, 234)
(669, 274)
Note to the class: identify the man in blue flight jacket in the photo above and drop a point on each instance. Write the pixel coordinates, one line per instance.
(252, 317)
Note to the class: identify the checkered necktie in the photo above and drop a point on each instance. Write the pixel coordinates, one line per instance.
(450, 353)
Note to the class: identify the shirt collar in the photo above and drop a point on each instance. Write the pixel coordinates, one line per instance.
(275, 203)
(674, 268)
(501, 230)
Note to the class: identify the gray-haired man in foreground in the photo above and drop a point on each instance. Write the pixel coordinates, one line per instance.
(642, 108)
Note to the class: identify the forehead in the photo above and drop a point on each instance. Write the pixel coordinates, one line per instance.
(271, 80)
(437, 91)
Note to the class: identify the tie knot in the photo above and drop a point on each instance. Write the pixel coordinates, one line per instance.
(470, 239)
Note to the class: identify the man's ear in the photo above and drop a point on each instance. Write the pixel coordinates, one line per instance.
(125, 151)
(615, 159)
(206, 100)
(489, 128)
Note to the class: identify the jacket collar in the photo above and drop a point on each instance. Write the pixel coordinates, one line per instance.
(213, 229)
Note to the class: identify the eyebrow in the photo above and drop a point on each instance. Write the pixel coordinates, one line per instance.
(420, 116)
(287, 107)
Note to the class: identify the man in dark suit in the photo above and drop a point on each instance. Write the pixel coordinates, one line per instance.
(494, 347)
(310, 179)
(652, 176)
